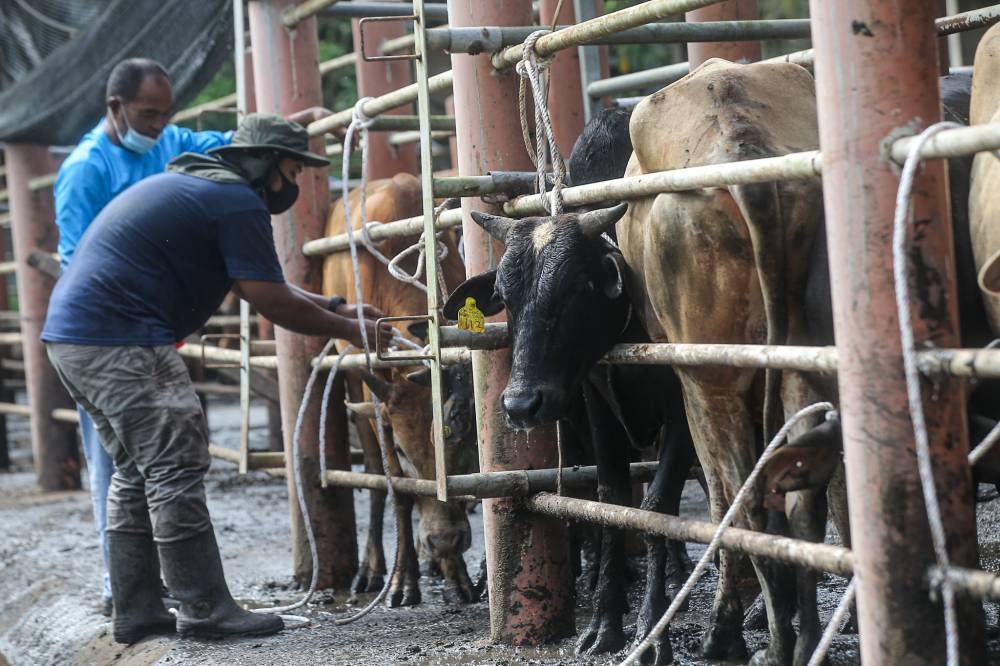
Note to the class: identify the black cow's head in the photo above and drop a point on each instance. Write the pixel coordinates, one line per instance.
(562, 284)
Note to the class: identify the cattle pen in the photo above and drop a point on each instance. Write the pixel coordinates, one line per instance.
(875, 96)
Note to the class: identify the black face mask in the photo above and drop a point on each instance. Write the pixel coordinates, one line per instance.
(280, 201)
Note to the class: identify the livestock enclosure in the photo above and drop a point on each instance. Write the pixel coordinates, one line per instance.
(900, 371)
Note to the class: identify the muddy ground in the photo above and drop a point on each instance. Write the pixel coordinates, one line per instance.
(49, 585)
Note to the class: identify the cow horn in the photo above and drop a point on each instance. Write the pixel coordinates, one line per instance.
(494, 225)
(420, 377)
(362, 409)
(596, 222)
(381, 388)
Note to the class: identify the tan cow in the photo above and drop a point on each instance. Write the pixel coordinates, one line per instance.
(984, 196)
(728, 265)
(444, 528)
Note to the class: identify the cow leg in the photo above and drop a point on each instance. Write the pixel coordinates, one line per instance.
(371, 571)
(836, 495)
(777, 582)
(807, 512)
(404, 588)
(667, 563)
(605, 634)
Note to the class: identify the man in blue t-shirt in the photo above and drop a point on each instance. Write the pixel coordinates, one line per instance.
(154, 265)
(133, 141)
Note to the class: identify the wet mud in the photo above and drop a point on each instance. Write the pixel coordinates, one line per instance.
(50, 582)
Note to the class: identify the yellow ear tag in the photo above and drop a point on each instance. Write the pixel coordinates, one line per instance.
(470, 318)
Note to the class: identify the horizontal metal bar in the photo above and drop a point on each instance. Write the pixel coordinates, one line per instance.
(971, 20)
(951, 143)
(294, 15)
(972, 582)
(487, 39)
(816, 556)
(401, 123)
(15, 409)
(518, 483)
(585, 33)
(5, 219)
(8, 267)
(357, 9)
(495, 182)
(647, 78)
(352, 362)
(494, 337)
(378, 105)
(411, 226)
(11, 339)
(413, 136)
(256, 459)
(42, 182)
(65, 415)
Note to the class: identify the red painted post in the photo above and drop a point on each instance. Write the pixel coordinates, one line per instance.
(876, 72)
(566, 92)
(54, 446)
(530, 577)
(286, 78)
(378, 78)
(732, 10)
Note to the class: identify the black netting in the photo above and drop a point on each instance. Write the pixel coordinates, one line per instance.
(55, 57)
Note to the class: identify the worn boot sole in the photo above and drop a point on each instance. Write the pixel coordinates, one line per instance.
(215, 633)
(128, 635)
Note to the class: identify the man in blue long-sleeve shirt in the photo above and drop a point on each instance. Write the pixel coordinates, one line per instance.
(132, 142)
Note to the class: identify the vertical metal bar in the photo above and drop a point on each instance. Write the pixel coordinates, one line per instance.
(731, 10)
(57, 463)
(590, 59)
(876, 73)
(287, 79)
(430, 247)
(239, 59)
(955, 40)
(378, 78)
(530, 578)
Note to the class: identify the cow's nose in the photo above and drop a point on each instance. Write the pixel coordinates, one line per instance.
(522, 405)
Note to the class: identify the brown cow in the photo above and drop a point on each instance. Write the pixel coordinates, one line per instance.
(444, 527)
(728, 265)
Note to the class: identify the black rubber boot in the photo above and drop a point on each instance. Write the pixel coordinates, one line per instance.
(135, 586)
(192, 570)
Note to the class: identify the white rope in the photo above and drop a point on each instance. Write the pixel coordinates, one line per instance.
(924, 463)
(635, 655)
(303, 507)
(530, 68)
(835, 626)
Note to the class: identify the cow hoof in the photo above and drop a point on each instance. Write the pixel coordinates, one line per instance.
(670, 591)
(767, 657)
(601, 637)
(407, 596)
(660, 653)
(460, 593)
(367, 581)
(725, 646)
(756, 616)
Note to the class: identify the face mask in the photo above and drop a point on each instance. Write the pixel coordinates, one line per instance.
(132, 140)
(280, 201)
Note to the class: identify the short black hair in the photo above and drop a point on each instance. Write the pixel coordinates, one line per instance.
(127, 77)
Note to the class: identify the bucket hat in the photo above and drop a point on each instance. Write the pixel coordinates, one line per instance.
(263, 131)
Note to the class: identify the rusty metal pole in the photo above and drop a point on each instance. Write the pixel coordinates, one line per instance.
(378, 78)
(565, 91)
(530, 577)
(286, 78)
(876, 72)
(33, 227)
(733, 10)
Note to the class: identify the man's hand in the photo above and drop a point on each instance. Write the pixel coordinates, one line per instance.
(351, 310)
(384, 334)
(310, 115)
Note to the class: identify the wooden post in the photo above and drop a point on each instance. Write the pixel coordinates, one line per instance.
(876, 73)
(731, 10)
(378, 78)
(286, 79)
(530, 577)
(33, 227)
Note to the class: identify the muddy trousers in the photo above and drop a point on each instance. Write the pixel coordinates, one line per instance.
(151, 423)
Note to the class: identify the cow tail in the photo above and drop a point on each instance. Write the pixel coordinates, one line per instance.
(760, 206)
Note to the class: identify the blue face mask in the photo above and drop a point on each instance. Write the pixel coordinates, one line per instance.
(132, 140)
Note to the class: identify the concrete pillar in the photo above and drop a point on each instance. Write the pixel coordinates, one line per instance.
(33, 227)
(286, 78)
(530, 577)
(731, 10)
(876, 72)
(378, 78)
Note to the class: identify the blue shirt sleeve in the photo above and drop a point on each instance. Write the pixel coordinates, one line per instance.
(81, 192)
(199, 142)
(246, 242)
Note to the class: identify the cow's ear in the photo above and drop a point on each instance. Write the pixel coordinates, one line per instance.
(613, 265)
(482, 288)
(807, 462)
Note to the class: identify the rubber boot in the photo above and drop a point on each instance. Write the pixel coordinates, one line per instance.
(135, 586)
(192, 570)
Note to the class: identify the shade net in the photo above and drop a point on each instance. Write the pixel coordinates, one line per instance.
(56, 55)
